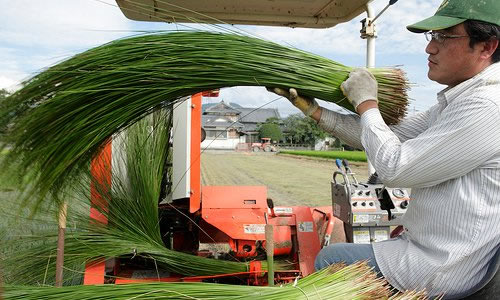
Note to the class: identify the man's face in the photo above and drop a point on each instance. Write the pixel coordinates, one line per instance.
(453, 61)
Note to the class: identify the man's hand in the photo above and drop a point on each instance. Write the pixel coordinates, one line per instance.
(307, 105)
(361, 86)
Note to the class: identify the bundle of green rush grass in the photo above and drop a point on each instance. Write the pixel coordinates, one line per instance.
(132, 231)
(336, 282)
(61, 116)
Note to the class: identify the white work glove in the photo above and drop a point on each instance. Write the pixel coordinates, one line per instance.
(360, 87)
(307, 105)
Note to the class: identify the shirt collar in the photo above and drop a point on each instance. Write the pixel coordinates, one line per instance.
(448, 94)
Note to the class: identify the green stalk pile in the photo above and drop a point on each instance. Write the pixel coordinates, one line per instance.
(133, 229)
(61, 117)
(336, 282)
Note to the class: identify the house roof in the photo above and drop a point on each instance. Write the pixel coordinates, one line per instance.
(260, 115)
(250, 127)
(216, 116)
(219, 122)
(206, 106)
(221, 108)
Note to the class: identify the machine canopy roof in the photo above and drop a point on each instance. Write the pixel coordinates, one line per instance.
(291, 13)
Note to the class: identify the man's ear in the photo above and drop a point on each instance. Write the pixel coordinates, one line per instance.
(490, 46)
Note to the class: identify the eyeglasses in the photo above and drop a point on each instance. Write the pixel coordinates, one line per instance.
(440, 37)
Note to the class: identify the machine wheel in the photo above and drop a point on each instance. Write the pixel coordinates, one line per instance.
(255, 149)
(203, 134)
(267, 148)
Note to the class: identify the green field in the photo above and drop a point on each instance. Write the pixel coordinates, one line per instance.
(349, 155)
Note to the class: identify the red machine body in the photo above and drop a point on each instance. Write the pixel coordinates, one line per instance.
(230, 216)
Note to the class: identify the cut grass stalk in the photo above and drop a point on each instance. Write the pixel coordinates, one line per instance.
(132, 231)
(336, 282)
(61, 117)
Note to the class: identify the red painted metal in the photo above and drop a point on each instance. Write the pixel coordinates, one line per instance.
(146, 280)
(227, 214)
(211, 93)
(238, 211)
(307, 238)
(195, 166)
(99, 188)
(94, 273)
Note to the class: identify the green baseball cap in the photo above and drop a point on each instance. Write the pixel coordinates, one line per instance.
(454, 12)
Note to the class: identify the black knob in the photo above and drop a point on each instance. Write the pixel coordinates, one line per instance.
(363, 203)
(355, 204)
(270, 203)
(345, 163)
(404, 204)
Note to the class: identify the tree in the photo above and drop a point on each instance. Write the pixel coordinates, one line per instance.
(270, 130)
(3, 94)
(302, 130)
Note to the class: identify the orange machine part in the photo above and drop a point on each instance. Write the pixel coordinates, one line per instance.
(195, 166)
(239, 212)
(307, 238)
(211, 93)
(100, 169)
(101, 183)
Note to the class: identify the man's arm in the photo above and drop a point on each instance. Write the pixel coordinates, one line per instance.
(463, 138)
(343, 126)
(347, 127)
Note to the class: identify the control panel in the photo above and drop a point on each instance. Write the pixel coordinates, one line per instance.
(370, 211)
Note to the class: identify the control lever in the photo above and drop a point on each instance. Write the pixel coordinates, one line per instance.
(338, 162)
(349, 171)
(341, 172)
(270, 204)
(386, 203)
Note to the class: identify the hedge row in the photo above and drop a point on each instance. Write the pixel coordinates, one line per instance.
(349, 155)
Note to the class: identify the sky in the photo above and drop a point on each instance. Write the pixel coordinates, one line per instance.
(35, 34)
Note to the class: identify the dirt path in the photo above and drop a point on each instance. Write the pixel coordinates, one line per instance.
(290, 180)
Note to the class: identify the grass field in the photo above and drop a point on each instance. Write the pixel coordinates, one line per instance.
(349, 155)
(290, 180)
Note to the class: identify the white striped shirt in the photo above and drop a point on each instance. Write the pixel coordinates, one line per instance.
(450, 157)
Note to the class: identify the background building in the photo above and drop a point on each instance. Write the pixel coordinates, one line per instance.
(227, 125)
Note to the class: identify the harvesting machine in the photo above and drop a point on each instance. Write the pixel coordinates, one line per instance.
(229, 222)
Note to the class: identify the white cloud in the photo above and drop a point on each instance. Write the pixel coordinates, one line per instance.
(36, 34)
(345, 38)
(60, 23)
(8, 84)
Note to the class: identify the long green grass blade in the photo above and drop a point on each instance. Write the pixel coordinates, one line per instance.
(337, 282)
(132, 231)
(61, 117)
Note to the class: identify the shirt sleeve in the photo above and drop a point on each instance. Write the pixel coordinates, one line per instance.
(347, 127)
(466, 134)
(413, 126)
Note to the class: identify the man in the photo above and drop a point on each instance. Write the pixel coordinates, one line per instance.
(449, 156)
